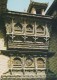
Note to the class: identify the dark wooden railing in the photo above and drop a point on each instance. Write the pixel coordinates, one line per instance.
(27, 45)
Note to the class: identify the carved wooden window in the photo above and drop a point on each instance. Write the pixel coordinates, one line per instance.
(18, 28)
(16, 63)
(40, 63)
(40, 30)
(29, 29)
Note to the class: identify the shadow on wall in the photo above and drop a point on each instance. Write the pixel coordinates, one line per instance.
(51, 75)
(2, 35)
(53, 47)
(2, 27)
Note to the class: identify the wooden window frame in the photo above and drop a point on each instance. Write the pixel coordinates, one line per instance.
(16, 28)
(27, 31)
(40, 33)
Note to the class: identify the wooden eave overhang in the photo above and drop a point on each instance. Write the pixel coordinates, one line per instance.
(27, 52)
(13, 13)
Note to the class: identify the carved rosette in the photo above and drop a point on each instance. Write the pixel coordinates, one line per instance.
(29, 62)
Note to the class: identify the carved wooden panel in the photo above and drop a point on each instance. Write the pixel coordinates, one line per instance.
(27, 42)
(40, 63)
(29, 29)
(27, 35)
(29, 62)
(18, 28)
(26, 66)
(40, 30)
